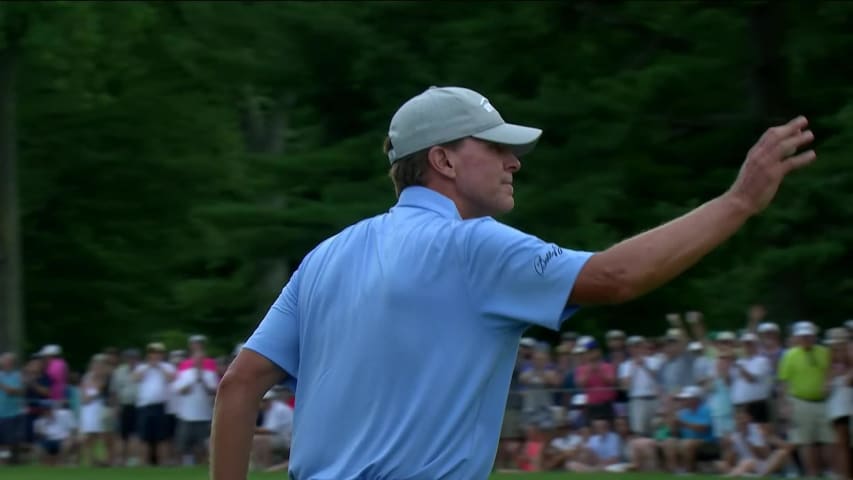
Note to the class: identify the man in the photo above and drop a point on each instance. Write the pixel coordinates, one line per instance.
(123, 396)
(437, 295)
(56, 430)
(751, 381)
(696, 440)
(274, 433)
(195, 386)
(638, 376)
(57, 369)
(11, 408)
(804, 369)
(153, 378)
(196, 344)
(597, 379)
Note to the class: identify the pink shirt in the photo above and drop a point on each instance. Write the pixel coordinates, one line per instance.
(57, 370)
(206, 364)
(599, 386)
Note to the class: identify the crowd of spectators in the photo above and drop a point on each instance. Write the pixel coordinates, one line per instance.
(766, 400)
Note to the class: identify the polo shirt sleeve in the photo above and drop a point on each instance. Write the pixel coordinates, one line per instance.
(518, 276)
(277, 336)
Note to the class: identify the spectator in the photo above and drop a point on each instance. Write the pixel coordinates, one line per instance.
(598, 380)
(750, 450)
(536, 382)
(562, 448)
(197, 347)
(196, 386)
(274, 432)
(11, 408)
(92, 410)
(56, 431)
(153, 378)
(36, 394)
(702, 370)
(840, 402)
(696, 440)
(176, 358)
(675, 370)
(719, 393)
(57, 369)
(804, 370)
(638, 375)
(770, 341)
(603, 448)
(530, 456)
(616, 348)
(123, 392)
(751, 381)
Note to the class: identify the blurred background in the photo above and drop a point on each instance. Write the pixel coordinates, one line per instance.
(164, 166)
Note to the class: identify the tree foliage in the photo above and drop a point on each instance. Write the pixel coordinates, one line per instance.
(178, 159)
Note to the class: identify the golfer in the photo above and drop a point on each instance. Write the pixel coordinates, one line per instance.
(399, 334)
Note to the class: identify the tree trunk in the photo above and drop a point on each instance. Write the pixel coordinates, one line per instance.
(11, 311)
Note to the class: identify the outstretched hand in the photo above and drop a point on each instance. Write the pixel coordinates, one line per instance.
(768, 162)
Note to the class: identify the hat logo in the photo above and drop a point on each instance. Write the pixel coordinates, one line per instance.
(484, 102)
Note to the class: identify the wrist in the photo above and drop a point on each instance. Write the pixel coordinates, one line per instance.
(738, 205)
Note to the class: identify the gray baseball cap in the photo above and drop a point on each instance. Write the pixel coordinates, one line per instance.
(444, 114)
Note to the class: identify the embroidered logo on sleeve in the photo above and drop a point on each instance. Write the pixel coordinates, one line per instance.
(540, 263)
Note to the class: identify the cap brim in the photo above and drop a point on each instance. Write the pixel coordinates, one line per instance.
(521, 139)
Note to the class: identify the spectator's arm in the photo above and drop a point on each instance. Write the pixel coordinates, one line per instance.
(747, 375)
(11, 390)
(40, 389)
(209, 381)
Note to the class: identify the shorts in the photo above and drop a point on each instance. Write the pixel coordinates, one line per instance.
(641, 413)
(12, 430)
(151, 423)
(127, 424)
(511, 426)
(708, 451)
(51, 447)
(759, 410)
(809, 423)
(171, 426)
(189, 435)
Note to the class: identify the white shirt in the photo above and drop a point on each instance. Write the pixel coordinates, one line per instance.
(641, 383)
(279, 419)
(753, 437)
(703, 368)
(566, 443)
(154, 386)
(57, 427)
(197, 404)
(742, 390)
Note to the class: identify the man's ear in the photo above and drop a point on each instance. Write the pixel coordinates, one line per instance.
(440, 159)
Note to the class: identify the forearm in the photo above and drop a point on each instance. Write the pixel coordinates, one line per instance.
(647, 261)
(235, 412)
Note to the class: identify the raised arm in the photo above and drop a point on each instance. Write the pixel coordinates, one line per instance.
(643, 263)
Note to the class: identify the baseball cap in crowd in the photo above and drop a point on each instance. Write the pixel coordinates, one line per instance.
(444, 114)
(50, 350)
(673, 334)
(579, 400)
(197, 339)
(695, 346)
(726, 337)
(579, 348)
(836, 335)
(155, 347)
(634, 340)
(849, 324)
(615, 334)
(749, 337)
(804, 329)
(271, 393)
(768, 327)
(585, 339)
(569, 336)
(527, 342)
(590, 344)
(691, 391)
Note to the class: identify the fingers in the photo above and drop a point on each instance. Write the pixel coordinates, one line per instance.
(779, 133)
(799, 161)
(789, 145)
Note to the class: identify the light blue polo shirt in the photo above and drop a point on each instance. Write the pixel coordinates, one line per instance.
(402, 332)
(11, 405)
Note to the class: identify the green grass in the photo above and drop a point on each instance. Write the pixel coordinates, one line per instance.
(38, 473)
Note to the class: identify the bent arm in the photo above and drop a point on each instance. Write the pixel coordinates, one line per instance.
(644, 262)
(235, 411)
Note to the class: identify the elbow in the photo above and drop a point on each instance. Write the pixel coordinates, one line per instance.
(600, 282)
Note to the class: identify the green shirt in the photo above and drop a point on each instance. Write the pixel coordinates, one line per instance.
(805, 372)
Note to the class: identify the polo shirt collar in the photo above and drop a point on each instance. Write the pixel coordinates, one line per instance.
(427, 198)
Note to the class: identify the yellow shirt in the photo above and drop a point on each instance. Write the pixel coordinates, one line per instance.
(805, 372)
